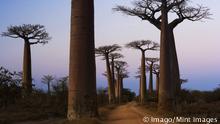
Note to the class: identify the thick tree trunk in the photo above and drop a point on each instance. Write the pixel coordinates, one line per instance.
(48, 88)
(27, 74)
(150, 90)
(166, 97)
(111, 93)
(117, 86)
(157, 85)
(120, 89)
(113, 75)
(82, 101)
(143, 78)
(174, 65)
(140, 89)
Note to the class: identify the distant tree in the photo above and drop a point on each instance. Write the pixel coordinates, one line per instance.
(113, 57)
(182, 81)
(138, 76)
(31, 35)
(157, 12)
(127, 95)
(10, 90)
(63, 83)
(150, 62)
(102, 96)
(143, 46)
(105, 51)
(156, 71)
(47, 79)
(121, 74)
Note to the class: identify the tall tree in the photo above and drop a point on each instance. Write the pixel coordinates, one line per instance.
(143, 46)
(156, 12)
(138, 76)
(156, 71)
(113, 57)
(82, 68)
(31, 35)
(150, 62)
(105, 51)
(47, 79)
(121, 73)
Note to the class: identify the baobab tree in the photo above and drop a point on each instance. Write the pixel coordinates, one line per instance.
(105, 52)
(121, 73)
(150, 62)
(143, 46)
(157, 13)
(138, 76)
(31, 35)
(113, 57)
(156, 71)
(47, 79)
(82, 68)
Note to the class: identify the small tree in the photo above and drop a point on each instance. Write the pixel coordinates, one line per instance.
(31, 35)
(10, 90)
(143, 46)
(47, 79)
(150, 62)
(105, 51)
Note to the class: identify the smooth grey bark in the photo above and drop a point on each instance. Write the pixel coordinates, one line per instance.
(150, 90)
(27, 74)
(157, 84)
(82, 99)
(120, 89)
(111, 93)
(143, 78)
(113, 75)
(174, 65)
(166, 96)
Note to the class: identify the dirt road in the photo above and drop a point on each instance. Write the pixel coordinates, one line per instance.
(129, 113)
(124, 114)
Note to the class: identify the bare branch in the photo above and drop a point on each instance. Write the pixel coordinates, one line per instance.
(143, 45)
(185, 12)
(144, 9)
(103, 50)
(28, 32)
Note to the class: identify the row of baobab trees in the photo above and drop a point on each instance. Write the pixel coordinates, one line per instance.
(165, 15)
(110, 55)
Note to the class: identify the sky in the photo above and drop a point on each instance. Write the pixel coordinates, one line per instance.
(197, 42)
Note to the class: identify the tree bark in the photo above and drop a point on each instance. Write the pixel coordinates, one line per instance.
(166, 97)
(151, 79)
(82, 99)
(174, 65)
(140, 89)
(117, 86)
(120, 89)
(27, 74)
(48, 85)
(111, 93)
(143, 78)
(113, 75)
(157, 85)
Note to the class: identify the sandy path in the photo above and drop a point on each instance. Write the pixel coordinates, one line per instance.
(129, 113)
(124, 114)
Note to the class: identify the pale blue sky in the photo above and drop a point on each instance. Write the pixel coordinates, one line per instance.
(197, 43)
